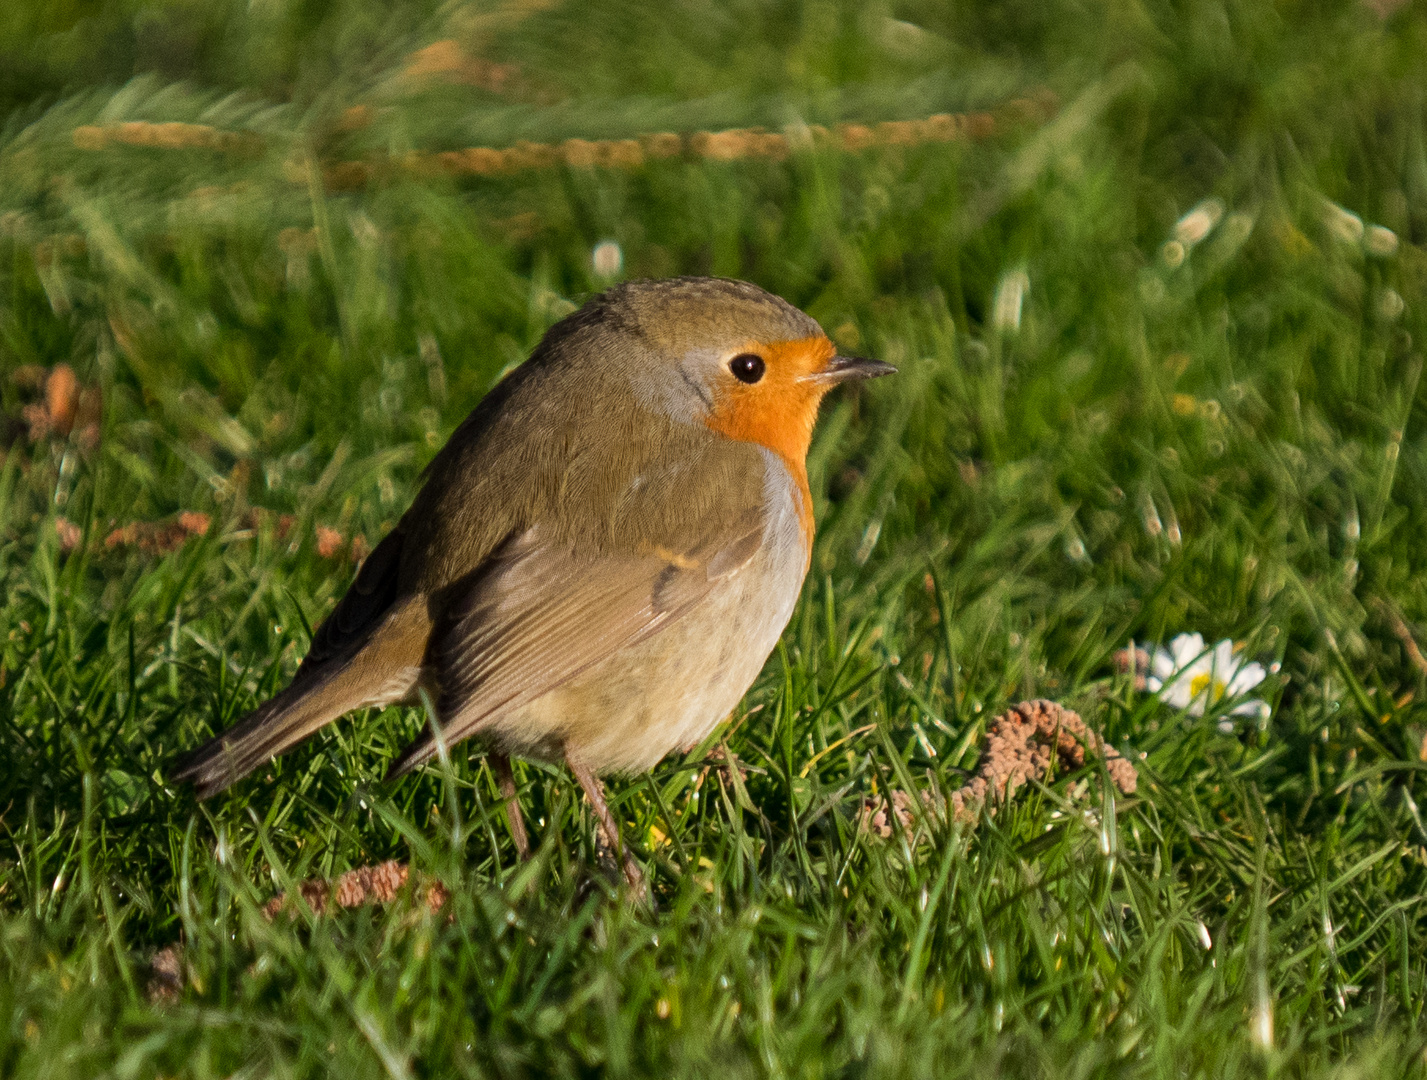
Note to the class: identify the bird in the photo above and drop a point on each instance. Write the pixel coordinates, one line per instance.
(597, 563)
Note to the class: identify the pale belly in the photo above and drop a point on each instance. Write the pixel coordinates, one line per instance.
(666, 693)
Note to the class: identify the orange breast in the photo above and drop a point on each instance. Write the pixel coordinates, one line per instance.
(778, 411)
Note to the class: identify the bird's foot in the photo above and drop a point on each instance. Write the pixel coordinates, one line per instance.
(505, 779)
(594, 791)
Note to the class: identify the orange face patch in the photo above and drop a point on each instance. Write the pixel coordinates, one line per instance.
(779, 410)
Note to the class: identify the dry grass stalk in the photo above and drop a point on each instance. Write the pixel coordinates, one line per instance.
(445, 59)
(1398, 625)
(734, 144)
(168, 135)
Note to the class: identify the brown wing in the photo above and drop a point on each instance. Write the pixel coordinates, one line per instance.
(540, 612)
(368, 598)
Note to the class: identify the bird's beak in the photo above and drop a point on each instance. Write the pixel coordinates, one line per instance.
(845, 368)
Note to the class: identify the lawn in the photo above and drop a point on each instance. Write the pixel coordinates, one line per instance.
(1155, 277)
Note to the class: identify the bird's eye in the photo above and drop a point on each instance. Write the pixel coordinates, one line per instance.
(747, 367)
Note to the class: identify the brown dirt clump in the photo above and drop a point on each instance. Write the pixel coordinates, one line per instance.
(878, 815)
(1022, 744)
(69, 534)
(1137, 659)
(329, 541)
(166, 979)
(377, 884)
(63, 404)
(160, 537)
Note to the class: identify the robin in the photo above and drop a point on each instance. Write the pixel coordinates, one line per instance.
(600, 559)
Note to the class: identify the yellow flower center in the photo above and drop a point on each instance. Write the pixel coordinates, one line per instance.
(1200, 683)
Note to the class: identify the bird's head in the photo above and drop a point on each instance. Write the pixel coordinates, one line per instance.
(732, 357)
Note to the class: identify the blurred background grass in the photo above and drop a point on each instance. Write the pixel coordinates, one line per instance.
(1156, 308)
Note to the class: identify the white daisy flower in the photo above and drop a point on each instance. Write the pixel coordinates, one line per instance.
(1190, 677)
(607, 259)
(1198, 223)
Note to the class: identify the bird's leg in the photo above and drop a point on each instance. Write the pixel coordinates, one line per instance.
(595, 792)
(500, 763)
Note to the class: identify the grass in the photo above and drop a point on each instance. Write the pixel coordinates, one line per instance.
(1224, 438)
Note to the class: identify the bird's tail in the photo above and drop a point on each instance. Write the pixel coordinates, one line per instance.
(271, 729)
(381, 669)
